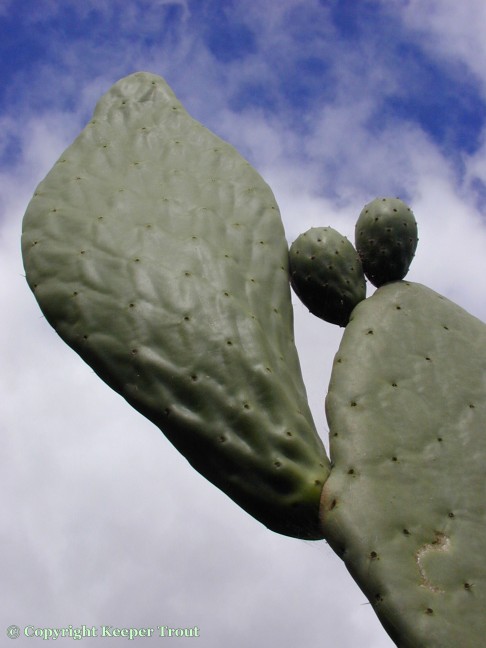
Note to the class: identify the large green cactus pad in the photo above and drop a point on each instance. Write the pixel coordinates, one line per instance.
(158, 254)
(405, 505)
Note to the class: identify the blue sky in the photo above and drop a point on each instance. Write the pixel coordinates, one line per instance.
(309, 56)
(363, 61)
(334, 102)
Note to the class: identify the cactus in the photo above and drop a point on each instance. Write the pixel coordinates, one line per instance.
(405, 503)
(326, 274)
(386, 239)
(158, 254)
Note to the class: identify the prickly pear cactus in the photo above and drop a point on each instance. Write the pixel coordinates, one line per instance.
(405, 505)
(386, 239)
(158, 254)
(326, 274)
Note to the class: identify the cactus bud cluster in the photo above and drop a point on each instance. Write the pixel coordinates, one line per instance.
(328, 274)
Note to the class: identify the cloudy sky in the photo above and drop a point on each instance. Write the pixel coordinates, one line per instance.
(334, 102)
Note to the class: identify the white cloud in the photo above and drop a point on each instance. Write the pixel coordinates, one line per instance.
(453, 31)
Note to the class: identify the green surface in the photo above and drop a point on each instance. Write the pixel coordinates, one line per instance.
(326, 274)
(405, 506)
(386, 238)
(158, 254)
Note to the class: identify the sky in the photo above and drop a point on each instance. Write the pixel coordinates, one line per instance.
(334, 103)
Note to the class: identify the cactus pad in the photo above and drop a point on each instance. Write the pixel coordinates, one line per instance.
(386, 239)
(405, 503)
(326, 274)
(158, 254)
